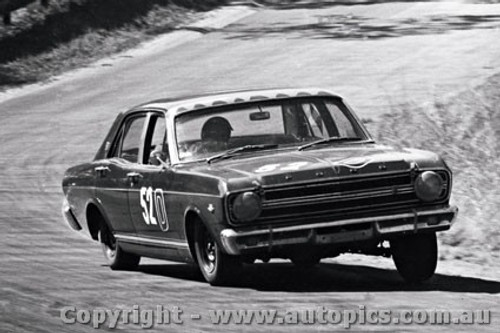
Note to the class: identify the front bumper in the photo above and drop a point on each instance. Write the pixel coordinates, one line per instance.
(338, 232)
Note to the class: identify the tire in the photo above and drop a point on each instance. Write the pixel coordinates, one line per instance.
(116, 258)
(415, 256)
(217, 268)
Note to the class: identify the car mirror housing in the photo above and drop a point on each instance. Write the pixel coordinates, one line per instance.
(159, 158)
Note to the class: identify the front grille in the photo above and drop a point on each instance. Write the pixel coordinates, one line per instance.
(350, 197)
(313, 190)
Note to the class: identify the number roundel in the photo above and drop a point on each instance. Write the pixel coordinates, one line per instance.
(154, 211)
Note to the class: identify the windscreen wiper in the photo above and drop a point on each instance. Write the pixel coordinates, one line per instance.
(231, 152)
(328, 140)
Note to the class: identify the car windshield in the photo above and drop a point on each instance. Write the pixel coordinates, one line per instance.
(203, 134)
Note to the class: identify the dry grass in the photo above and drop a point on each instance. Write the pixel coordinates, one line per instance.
(465, 130)
(43, 42)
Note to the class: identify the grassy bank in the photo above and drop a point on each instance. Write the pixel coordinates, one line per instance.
(465, 130)
(43, 42)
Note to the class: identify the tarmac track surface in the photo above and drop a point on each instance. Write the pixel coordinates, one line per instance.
(378, 55)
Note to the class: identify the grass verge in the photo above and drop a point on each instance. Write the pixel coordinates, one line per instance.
(68, 34)
(465, 130)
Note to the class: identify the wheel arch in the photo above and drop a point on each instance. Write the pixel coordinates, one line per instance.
(95, 216)
(192, 216)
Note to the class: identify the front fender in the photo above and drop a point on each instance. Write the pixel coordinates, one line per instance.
(211, 214)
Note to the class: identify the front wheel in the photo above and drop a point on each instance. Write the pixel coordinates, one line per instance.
(217, 267)
(116, 258)
(415, 256)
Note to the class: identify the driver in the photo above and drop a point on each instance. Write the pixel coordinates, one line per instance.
(215, 134)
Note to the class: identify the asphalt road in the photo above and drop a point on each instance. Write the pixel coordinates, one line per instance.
(378, 55)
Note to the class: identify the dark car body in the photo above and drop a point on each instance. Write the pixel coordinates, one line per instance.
(300, 200)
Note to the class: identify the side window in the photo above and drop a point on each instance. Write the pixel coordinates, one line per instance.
(344, 125)
(156, 140)
(129, 142)
(315, 120)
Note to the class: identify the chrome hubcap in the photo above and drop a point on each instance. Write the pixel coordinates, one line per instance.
(209, 253)
(109, 244)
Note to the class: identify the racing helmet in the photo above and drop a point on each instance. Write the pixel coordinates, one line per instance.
(216, 129)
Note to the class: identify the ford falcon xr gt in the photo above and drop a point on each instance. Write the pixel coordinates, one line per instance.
(230, 178)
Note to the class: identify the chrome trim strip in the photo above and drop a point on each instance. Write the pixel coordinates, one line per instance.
(152, 241)
(409, 227)
(317, 199)
(336, 181)
(118, 189)
(194, 194)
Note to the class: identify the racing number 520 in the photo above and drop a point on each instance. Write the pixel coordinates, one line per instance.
(153, 207)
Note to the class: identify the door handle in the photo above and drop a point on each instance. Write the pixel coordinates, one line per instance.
(102, 170)
(134, 176)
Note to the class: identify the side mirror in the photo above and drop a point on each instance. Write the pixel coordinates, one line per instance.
(159, 158)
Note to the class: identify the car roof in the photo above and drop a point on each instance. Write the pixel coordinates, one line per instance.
(181, 104)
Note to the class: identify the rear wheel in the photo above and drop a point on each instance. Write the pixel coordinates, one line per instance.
(217, 267)
(415, 256)
(115, 256)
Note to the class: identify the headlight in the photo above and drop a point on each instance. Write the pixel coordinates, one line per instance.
(428, 186)
(246, 207)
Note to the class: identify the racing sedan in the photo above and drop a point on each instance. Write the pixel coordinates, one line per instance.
(230, 178)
